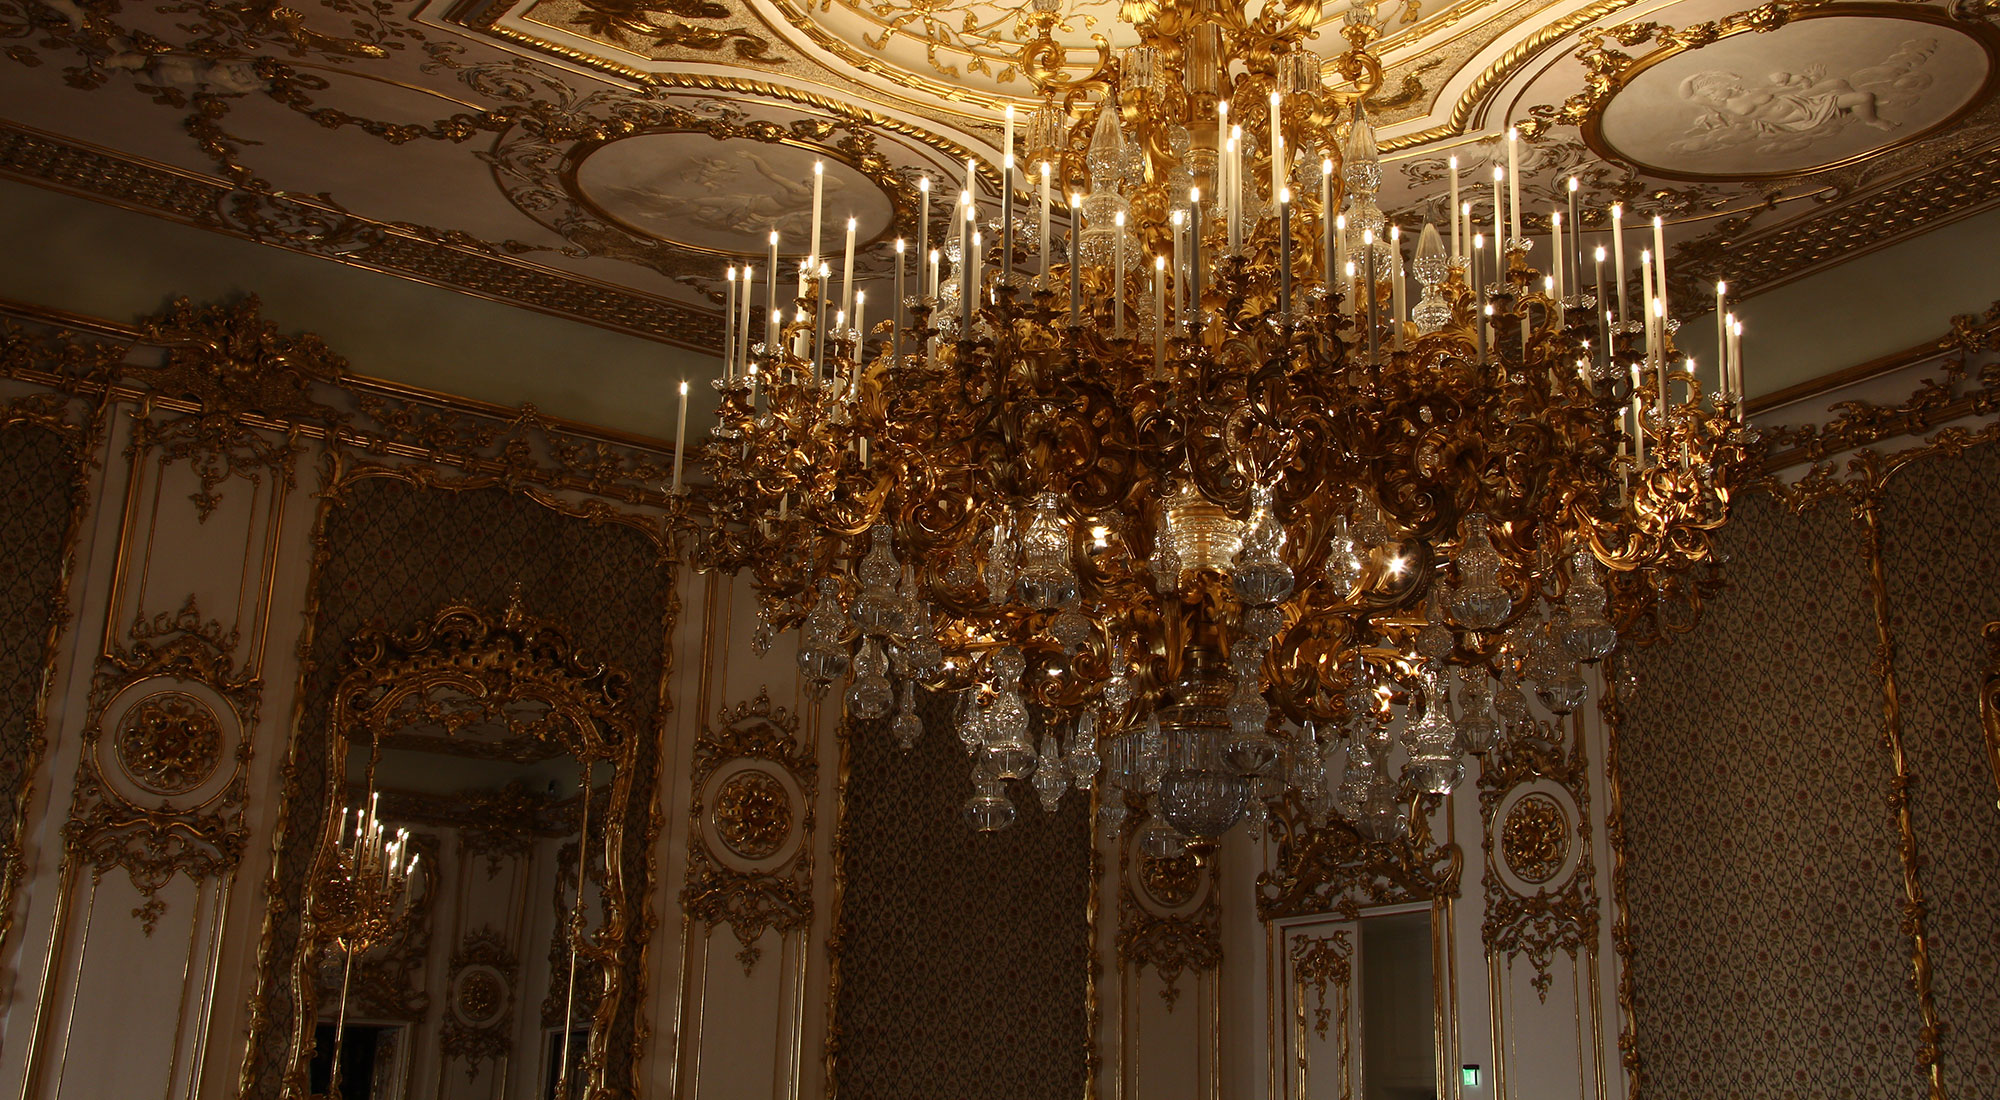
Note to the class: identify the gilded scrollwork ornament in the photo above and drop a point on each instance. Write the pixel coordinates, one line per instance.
(750, 768)
(1551, 904)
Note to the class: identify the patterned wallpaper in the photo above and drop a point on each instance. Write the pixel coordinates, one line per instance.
(37, 469)
(1762, 875)
(1943, 561)
(964, 957)
(395, 553)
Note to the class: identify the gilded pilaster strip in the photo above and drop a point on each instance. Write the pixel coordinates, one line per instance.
(1612, 711)
(1913, 905)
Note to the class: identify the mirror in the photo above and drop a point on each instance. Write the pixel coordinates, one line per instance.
(506, 756)
(1362, 1004)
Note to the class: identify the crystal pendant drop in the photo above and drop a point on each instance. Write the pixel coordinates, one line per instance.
(1259, 576)
(1083, 761)
(1586, 632)
(1051, 778)
(1481, 602)
(907, 727)
(822, 654)
(1007, 742)
(1383, 817)
(1160, 840)
(878, 609)
(989, 809)
(1432, 268)
(1002, 558)
(1478, 721)
(1343, 561)
(1354, 783)
(1046, 579)
(870, 695)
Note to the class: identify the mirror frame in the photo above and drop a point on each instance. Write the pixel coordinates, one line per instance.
(392, 680)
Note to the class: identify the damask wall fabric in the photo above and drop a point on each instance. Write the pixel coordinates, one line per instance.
(964, 957)
(1762, 870)
(1941, 550)
(394, 554)
(37, 494)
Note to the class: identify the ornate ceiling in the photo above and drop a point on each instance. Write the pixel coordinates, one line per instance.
(604, 159)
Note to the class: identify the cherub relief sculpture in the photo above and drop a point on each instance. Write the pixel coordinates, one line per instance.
(1790, 112)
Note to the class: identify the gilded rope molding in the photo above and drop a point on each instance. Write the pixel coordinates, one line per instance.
(1613, 714)
(1989, 698)
(1913, 905)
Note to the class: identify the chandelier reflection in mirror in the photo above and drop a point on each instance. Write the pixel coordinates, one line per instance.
(1210, 515)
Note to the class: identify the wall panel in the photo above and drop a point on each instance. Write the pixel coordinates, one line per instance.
(1941, 560)
(394, 551)
(964, 957)
(1762, 870)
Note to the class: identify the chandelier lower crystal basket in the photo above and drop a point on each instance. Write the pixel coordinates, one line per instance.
(1215, 516)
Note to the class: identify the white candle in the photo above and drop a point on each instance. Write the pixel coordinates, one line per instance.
(860, 334)
(1340, 265)
(1221, 143)
(1455, 251)
(1618, 256)
(729, 329)
(1118, 285)
(771, 301)
(1499, 216)
(819, 193)
(924, 228)
(933, 282)
(1398, 296)
(1326, 220)
(1646, 296)
(1723, 320)
(1230, 191)
(1042, 239)
(1007, 142)
(1556, 260)
(1660, 263)
(1159, 313)
(1277, 147)
(680, 436)
(743, 333)
(1465, 212)
(1736, 364)
(847, 272)
(1514, 181)
(1660, 329)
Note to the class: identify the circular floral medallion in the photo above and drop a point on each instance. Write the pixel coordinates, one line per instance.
(480, 996)
(169, 743)
(753, 814)
(1535, 838)
(1173, 881)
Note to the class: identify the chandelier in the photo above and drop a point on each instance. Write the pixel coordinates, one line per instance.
(1193, 506)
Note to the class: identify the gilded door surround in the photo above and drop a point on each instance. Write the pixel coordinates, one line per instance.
(1857, 484)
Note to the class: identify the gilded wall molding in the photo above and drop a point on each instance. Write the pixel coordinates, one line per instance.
(1989, 698)
(167, 701)
(1846, 471)
(1539, 878)
(480, 981)
(1612, 710)
(1169, 913)
(1330, 868)
(751, 818)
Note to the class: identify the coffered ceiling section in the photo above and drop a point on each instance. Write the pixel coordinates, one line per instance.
(606, 159)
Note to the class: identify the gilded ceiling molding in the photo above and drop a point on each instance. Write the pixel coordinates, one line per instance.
(622, 477)
(1539, 878)
(750, 825)
(61, 164)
